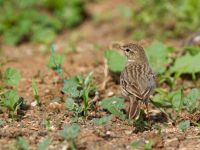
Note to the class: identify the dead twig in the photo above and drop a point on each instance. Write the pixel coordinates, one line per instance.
(106, 78)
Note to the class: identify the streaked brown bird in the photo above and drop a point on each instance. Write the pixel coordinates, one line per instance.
(137, 80)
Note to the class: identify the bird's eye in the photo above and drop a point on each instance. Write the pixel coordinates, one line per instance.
(127, 50)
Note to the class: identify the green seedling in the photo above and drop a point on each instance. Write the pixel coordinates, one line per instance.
(79, 89)
(11, 76)
(141, 124)
(22, 144)
(190, 102)
(47, 123)
(114, 105)
(70, 133)
(57, 59)
(184, 125)
(56, 64)
(102, 121)
(176, 101)
(149, 145)
(136, 144)
(74, 107)
(44, 144)
(11, 101)
(2, 123)
(36, 92)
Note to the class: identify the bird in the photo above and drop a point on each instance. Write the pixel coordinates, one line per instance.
(137, 80)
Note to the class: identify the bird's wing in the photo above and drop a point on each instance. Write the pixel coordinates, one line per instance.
(140, 87)
(137, 91)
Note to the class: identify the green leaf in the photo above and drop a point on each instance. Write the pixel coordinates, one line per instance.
(35, 87)
(190, 101)
(157, 54)
(184, 125)
(22, 144)
(2, 123)
(114, 106)
(70, 104)
(70, 132)
(161, 100)
(12, 76)
(149, 145)
(191, 97)
(102, 121)
(58, 60)
(88, 79)
(113, 101)
(136, 144)
(35, 91)
(71, 88)
(44, 144)
(186, 64)
(177, 101)
(125, 11)
(115, 111)
(115, 61)
(193, 50)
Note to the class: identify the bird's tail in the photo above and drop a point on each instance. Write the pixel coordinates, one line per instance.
(134, 108)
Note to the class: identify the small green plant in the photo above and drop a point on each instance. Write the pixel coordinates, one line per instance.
(43, 145)
(22, 144)
(79, 90)
(149, 145)
(57, 59)
(184, 125)
(138, 144)
(177, 102)
(36, 92)
(141, 124)
(9, 99)
(11, 76)
(114, 105)
(70, 133)
(47, 123)
(2, 123)
(102, 121)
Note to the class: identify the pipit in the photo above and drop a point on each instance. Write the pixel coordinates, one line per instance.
(137, 80)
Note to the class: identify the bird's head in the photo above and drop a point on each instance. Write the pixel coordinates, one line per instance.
(133, 52)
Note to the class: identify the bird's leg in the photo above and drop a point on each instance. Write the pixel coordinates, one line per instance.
(147, 108)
